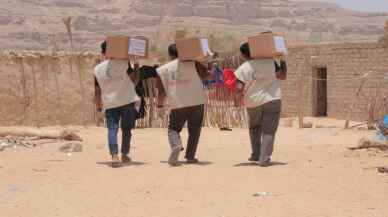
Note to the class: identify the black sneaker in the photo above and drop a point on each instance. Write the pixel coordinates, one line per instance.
(192, 161)
(225, 129)
(252, 159)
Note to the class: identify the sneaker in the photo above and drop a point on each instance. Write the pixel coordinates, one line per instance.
(192, 161)
(174, 156)
(266, 163)
(225, 129)
(115, 161)
(252, 159)
(125, 159)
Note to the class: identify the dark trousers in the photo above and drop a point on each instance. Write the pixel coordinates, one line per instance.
(125, 116)
(263, 124)
(194, 118)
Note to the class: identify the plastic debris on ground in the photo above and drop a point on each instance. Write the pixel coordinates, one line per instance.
(264, 194)
(71, 148)
(382, 129)
(13, 143)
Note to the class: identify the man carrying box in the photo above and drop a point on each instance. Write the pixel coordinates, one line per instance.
(257, 81)
(181, 83)
(115, 95)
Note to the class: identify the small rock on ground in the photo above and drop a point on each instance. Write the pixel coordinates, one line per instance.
(71, 148)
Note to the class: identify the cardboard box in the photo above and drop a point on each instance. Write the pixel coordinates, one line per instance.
(267, 45)
(193, 49)
(123, 47)
(117, 47)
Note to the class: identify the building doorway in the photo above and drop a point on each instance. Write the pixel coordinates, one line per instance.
(321, 92)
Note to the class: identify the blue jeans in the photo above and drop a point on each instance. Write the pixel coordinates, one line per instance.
(126, 117)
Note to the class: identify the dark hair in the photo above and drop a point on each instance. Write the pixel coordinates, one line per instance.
(244, 49)
(172, 51)
(103, 47)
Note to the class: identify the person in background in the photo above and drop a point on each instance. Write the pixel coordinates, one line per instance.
(229, 89)
(258, 83)
(218, 93)
(115, 95)
(180, 82)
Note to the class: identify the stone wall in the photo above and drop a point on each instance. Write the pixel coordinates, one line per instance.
(45, 89)
(346, 64)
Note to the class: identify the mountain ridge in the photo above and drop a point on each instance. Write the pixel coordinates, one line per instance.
(37, 25)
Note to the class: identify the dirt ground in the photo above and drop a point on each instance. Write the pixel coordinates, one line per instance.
(315, 176)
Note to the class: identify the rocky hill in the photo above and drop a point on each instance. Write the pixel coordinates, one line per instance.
(37, 24)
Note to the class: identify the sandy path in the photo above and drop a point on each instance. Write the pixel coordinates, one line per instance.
(316, 177)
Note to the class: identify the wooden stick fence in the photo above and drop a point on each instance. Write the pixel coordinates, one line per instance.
(219, 109)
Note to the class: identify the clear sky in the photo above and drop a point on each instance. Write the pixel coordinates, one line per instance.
(364, 5)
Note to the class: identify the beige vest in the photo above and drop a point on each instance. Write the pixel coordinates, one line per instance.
(117, 89)
(261, 84)
(182, 84)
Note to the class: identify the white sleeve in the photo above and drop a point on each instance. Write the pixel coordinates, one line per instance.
(162, 73)
(242, 74)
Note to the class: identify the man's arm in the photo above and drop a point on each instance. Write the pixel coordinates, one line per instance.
(281, 70)
(203, 72)
(242, 78)
(97, 95)
(161, 91)
(238, 99)
(283, 66)
(133, 73)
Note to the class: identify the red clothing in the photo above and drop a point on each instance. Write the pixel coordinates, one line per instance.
(229, 79)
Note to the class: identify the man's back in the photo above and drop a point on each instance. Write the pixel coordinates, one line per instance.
(261, 84)
(116, 87)
(182, 84)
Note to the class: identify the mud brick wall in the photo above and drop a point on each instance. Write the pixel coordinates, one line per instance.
(39, 89)
(384, 39)
(344, 63)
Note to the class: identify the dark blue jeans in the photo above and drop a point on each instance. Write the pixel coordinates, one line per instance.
(126, 117)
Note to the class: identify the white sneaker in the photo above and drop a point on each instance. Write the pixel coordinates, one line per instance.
(266, 163)
(174, 156)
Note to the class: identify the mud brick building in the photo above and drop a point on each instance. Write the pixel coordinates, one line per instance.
(325, 79)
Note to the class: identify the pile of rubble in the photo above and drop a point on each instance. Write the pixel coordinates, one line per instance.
(13, 137)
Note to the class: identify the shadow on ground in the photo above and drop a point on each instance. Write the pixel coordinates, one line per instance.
(133, 163)
(201, 163)
(248, 164)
